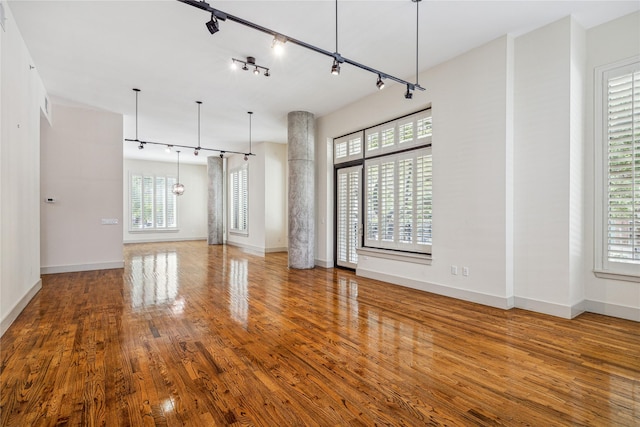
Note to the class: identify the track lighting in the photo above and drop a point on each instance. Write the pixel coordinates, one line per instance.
(335, 68)
(196, 150)
(408, 94)
(279, 39)
(278, 44)
(168, 149)
(380, 83)
(213, 25)
(251, 61)
(246, 157)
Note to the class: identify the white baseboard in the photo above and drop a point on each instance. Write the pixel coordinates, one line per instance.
(462, 294)
(253, 250)
(81, 267)
(323, 264)
(20, 305)
(614, 310)
(164, 239)
(553, 309)
(274, 250)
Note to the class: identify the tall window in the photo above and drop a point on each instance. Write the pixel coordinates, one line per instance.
(152, 204)
(395, 191)
(239, 199)
(619, 139)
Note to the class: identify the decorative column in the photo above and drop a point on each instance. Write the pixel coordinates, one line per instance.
(215, 200)
(300, 150)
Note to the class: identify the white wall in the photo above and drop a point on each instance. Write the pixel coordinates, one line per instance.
(267, 199)
(606, 44)
(81, 167)
(21, 94)
(192, 205)
(471, 175)
(513, 172)
(545, 143)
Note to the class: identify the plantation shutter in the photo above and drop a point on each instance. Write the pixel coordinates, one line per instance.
(136, 202)
(623, 166)
(348, 216)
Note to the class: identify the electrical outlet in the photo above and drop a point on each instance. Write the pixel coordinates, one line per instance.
(454, 270)
(465, 271)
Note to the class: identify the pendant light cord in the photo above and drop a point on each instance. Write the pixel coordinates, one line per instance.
(250, 114)
(417, 38)
(199, 103)
(137, 90)
(336, 26)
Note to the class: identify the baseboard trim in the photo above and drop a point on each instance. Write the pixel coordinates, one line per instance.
(274, 250)
(164, 239)
(462, 294)
(553, 309)
(81, 267)
(323, 264)
(614, 310)
(20, 305)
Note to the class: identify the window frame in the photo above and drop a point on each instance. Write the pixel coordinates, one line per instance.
(243, 200)
(168, 180)
(603, 266)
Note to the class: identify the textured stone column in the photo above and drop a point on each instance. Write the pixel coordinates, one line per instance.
(301, 198)
(215, 205)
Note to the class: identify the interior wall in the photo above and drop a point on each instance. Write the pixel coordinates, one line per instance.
(192, 205)
(21, 94)
(468, 95)
(275, 190)
(542, 156)
(81, 168)
(267, 199)
(513, 171)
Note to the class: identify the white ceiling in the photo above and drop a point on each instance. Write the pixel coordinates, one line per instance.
(93, 53)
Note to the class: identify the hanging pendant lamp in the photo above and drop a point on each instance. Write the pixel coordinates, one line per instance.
(178, 188)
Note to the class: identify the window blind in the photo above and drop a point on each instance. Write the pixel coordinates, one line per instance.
(623, 167)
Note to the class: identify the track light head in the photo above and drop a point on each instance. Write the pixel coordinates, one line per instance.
(213, 25)
(246, 157)
(234, 65)
(222, 154)
(408, 94)
(141, 146)
(335, 68)
(256, 71)
(168, 149)
(380, 83)
(245, 68)
(267, 73)
(196, 151)
(278, 44)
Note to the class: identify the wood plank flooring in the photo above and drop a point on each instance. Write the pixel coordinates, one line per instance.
(197, 335)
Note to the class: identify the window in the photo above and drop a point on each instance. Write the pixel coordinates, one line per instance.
(390, 207)
(348, 215)
(152, 204)
(348, 148)
(398, 202)
(239, 203)
(618, 135)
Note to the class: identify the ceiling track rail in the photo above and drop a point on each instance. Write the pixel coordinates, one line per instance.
(284, 38)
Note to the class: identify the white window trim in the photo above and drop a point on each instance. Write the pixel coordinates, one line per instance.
(237, 231)
(603, 267)
(143, 230)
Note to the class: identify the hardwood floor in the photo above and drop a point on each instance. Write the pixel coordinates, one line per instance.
(197, 335)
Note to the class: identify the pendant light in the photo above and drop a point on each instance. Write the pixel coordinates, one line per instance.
(178, 188)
